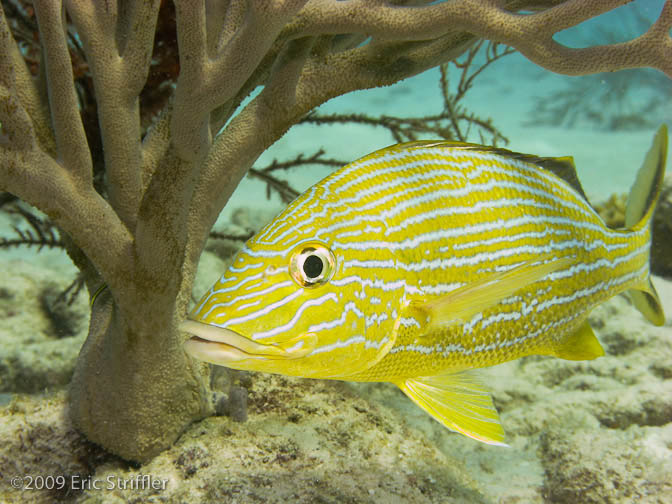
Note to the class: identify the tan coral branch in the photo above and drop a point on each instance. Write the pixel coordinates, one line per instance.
(118, 45)
(209, 80)
(58, 187)
(72, 147)
(15, 74)
(533, 40)
(17, 131)
(531, 34)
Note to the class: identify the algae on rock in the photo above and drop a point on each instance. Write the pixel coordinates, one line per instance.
(305, 441)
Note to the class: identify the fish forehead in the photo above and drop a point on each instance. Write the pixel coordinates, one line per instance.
(340, 195)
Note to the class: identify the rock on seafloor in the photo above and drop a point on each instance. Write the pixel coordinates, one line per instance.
(305, 441)
(40, 336)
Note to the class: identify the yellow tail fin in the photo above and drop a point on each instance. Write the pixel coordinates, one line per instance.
(638, 213)
(645, 298)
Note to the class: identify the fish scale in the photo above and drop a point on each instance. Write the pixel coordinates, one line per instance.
(422, 261)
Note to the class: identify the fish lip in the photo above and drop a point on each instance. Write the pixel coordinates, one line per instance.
(213, 352)
(214, 337)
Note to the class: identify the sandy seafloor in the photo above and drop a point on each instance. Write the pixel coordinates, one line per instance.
(596, 431)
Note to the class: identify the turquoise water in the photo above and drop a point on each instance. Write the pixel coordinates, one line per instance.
(509, 92)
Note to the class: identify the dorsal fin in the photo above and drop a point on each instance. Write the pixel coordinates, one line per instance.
(564, 168)
(561, 167)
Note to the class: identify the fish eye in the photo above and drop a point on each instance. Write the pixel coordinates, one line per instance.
(312, 265)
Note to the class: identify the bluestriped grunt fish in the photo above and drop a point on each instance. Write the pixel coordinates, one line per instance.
(424, 260)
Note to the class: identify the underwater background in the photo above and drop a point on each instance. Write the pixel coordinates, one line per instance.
(594, 431)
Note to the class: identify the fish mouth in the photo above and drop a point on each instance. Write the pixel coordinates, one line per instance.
(219, 345)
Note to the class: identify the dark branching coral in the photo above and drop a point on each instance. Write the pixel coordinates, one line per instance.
(454, 122)
(57, 306)
(282, 187)
(627, 100)
(616, 101)
(40, 231)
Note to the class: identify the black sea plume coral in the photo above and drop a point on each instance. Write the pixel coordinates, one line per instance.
(40, 232)
(622, 101)
(632, 99)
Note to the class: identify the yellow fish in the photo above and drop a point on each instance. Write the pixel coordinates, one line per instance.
(424, 260)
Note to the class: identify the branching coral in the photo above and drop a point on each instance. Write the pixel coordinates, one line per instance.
(39, 233)
(141, 230)
(626, 100)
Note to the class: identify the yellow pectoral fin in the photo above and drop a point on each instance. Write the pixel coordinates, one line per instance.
(460, 305)
(581, 345)
(458, 402)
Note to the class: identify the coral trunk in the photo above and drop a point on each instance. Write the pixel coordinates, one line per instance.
(134, 390)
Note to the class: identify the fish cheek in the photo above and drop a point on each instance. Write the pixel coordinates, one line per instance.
(342, 352)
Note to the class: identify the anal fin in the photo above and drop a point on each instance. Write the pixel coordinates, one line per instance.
(459, 402)
(580, 345)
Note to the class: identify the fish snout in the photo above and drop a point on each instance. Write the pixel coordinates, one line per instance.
(219, 345)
